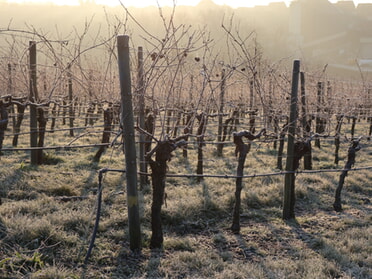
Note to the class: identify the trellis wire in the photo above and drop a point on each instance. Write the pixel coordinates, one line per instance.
(263, 174)
(56, 147)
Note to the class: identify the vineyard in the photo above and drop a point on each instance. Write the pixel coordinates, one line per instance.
(179, 160)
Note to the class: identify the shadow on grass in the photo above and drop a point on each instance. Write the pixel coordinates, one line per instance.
(320, 246)
(138, 265)
(196, 218)
(3, 229)
(154, 264)
(92, 178)
(129, 265)
(14, 185)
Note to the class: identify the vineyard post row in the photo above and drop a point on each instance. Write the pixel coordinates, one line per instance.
(127, 109)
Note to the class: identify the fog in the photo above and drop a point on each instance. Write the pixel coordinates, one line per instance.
(315, 31)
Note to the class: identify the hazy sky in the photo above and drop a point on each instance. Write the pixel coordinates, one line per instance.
(142, 3)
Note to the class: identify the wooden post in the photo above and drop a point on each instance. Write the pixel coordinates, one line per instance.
(276, 128)
(289, 187)
(178, 116)
(54, 115)
(10, 80)
(252, 120)
(189, 117)
(340, 118)
(252, 111)
(251, 95)
(318, 127)
(306, 123)
(89, 114)
(129, 142)
(168, 116)
(220, 114)
(33, 99)
(202, 118)
(141, 101)
(70, 101)
(64, 105)
(187, 130)
(10, 93)
(353, 123)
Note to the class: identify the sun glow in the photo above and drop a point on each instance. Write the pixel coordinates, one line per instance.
(144, 3)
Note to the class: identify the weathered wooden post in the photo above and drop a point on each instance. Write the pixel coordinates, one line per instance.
(353, 123)
(89, 114)
(64, 111)
(339, 118)
(33, 97)
(276, 129)
(202, 118)
(220, 114)
(252, 111)
(10, 80)
(289, 186)
(306, 123)
(54, 115)
(10, 93)
(70, 101)
(178, 116)
(168, 114)
(252, 120)
(187, 130)
(129, 142)
(141, 101)
(251, 95)
(319, 120)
